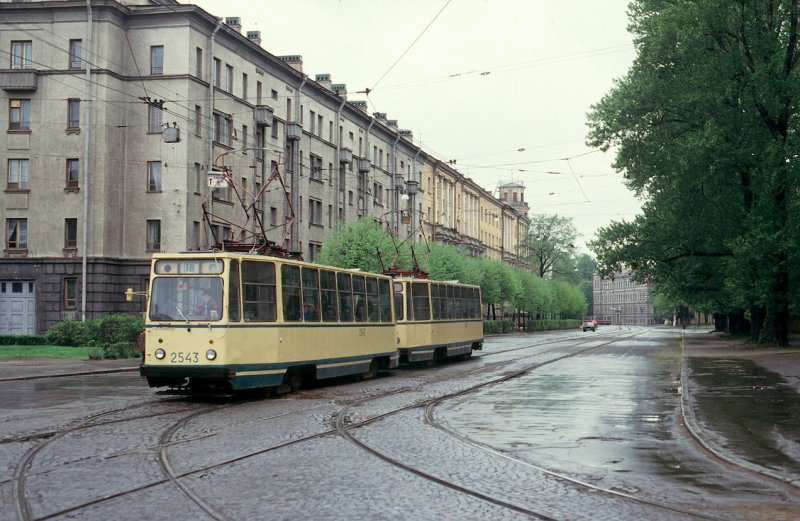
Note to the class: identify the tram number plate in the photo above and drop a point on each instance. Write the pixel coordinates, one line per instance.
(184, 358)
(362, 331)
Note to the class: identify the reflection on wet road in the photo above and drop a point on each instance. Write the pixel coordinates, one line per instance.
(612, 417)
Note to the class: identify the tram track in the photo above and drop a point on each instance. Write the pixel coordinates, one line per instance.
(343, 428)
(24, 513)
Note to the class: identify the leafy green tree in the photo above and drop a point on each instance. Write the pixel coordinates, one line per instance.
(705, 125)
(548, 240)
(362, 244)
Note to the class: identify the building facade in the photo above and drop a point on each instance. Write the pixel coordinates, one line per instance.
(120, 113)
(621, 300)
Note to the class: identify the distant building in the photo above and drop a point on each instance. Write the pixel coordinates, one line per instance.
(622, 301)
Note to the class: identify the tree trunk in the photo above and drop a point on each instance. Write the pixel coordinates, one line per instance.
(757, 315)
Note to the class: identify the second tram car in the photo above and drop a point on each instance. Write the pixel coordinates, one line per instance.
(436, 320)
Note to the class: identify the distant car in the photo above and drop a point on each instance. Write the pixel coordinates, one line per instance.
(589, 324)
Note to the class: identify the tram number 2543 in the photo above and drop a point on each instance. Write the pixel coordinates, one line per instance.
(184, 358)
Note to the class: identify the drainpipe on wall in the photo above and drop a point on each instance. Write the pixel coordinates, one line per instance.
(413, 200)
(87, 114)
(433, 193)
(294, 239)
(210, 111)
(366, 154)
(338, 180)
(395, 190)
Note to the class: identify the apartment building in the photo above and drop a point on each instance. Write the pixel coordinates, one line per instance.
(621, 300)
(120, 113)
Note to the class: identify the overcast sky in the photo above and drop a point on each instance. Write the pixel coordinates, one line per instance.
(485, 80)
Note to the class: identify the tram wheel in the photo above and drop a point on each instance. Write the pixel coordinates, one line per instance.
(293, 379)
(372, 372)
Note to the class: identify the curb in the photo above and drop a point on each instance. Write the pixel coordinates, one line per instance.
(65, 375)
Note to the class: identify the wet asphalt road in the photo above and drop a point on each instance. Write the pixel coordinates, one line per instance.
(565, 425)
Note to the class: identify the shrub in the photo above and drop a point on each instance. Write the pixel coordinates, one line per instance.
(22, 340)
(68, 332)
(113, 336)
(497, 327)
(551, 325)
(120, 350)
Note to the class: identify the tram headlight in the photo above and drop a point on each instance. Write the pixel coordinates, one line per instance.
(160, 353)
(211, 354)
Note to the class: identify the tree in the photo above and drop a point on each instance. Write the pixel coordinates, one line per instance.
(705, 125)
(548, 240)
(358, 245)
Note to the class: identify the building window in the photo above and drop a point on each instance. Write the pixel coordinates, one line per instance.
(19, 114)
(198, 178)
(195, 236)
(157, 59)
(223, 125)
(153, 235)
(244, 86)
(75, 47)
(70, 233)
(18, 170)
(274, 94)
(229, 78)
(73, 174)
(273, 216)
(198, 120)
(244, 139)
(315, 212)
(313, 119)
(70, 292)
(259, 92)
(73, 113)
(21, 55)
(316, 167)
(155, 118)
(154, 176)
(313, 250)
(319, 125)
(198, 66)
(217, 71)
(275, 127)
(17, 234)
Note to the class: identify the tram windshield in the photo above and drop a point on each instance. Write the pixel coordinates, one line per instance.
(186, 299)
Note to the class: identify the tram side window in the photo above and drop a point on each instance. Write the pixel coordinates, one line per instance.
(310, 295)
(373, 309)
(385, 300)
(422, 306)
(398, 300)
(476, 304)
(260, 302)
(345, 297)
(290, 286)
(234, 308)
(459, 302)
(437, 304)
(327, 281)
(360, 298)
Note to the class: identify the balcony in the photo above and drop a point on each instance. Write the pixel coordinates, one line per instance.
(19, 80)
(263, 115)
(364, 165)
(345, 155)
(294, 131)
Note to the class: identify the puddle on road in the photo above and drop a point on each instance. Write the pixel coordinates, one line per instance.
(47, 392)
(755, 413)
(611, 418)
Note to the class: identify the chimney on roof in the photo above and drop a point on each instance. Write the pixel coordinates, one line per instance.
(254, 36)
(235, 23)
(295, 61)
(392, 123)
(380, 116)
(324, 80)
(408, 134)
(340, 89)
(359, 104)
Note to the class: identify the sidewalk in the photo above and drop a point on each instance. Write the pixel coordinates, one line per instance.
(33, 368)
(784, 361)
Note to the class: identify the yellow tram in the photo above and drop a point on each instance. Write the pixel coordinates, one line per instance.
(436, 320)
(221, 322)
